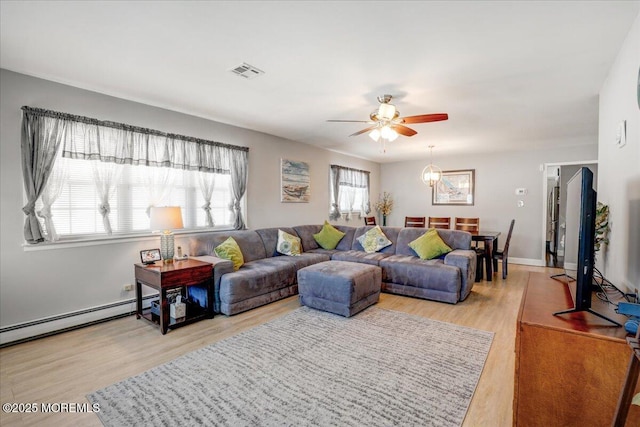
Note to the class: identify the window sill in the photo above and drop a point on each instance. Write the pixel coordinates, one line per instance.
(108, 240)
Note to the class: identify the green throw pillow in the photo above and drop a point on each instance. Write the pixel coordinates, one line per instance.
(329, 236)
(288, 244)
(230, 250)
(430, 245)
(374, 240)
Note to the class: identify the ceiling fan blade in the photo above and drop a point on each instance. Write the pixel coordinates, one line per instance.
(364, 130)
(425, 118)
(351, 121)
(403, 130)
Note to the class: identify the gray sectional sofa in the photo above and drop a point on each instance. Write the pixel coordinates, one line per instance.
(267, 276)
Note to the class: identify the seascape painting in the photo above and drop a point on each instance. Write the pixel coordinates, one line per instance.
(294, 182)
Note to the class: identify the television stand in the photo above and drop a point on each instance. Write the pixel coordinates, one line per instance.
(569, 370)
(573, 310)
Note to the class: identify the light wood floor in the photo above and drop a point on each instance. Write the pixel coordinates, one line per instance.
(65, 367)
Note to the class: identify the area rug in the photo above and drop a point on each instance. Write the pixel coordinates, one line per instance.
(311, 368)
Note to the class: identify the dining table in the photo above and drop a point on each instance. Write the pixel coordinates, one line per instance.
(490, 239)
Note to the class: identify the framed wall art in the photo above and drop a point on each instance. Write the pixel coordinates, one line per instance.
(455, 188)
(294, 181)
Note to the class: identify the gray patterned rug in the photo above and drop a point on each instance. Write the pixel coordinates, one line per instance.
(311, 368)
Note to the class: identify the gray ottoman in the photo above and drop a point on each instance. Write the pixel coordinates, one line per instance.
(339, 287)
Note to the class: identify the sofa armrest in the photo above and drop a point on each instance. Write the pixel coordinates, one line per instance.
(220, 267)
(465, 260)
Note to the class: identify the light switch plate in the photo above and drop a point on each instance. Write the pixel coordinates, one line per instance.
(521, 191)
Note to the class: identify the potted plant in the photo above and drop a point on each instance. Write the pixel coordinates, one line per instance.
(602, 226)
(384, 205)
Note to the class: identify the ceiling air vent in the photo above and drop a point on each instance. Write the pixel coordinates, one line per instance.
(247, 71)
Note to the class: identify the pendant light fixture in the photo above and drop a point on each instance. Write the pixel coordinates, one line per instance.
(431, 173)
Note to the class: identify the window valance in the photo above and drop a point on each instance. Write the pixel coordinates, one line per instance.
(92, 139)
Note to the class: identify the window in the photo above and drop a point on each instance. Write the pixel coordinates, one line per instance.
(76, 212)
(103, 177)
(349, 192)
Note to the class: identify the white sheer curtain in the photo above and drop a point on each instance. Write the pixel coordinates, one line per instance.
(106, 177)
(207, 184)
(158, 182)
(349, 197)
(50, 194)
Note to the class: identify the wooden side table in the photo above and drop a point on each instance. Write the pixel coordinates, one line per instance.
(162, 277)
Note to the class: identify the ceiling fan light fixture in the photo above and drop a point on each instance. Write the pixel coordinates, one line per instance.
(375, 135)
(386, 112)
(388, 133)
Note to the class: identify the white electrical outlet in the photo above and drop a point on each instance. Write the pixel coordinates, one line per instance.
(128, 287)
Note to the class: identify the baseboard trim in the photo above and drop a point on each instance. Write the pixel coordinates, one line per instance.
(40, 328)
(527, 261)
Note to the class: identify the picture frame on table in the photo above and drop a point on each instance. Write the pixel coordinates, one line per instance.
(456, 188)
(150, 256)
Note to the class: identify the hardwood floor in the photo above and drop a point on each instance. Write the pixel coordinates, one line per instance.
(65, 367)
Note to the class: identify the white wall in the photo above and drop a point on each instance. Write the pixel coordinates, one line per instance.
(39, 284)
(497, 177)
(619, 169)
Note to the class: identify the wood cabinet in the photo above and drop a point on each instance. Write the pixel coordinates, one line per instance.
(570, 369)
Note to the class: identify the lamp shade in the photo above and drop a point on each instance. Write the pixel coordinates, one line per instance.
(166, 218)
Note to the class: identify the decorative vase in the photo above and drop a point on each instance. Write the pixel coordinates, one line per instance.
(384, 220)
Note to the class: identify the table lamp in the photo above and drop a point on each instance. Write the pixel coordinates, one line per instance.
(166, 219)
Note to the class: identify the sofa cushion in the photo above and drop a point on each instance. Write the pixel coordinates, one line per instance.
(429, 245)
(288, 244)
(374, 240)
(304, 259)
(306, 232)
(390, 232)
(410, 270)
(329, 236)
(453, 238)
(249, 241)
(230, 250)
(359, 257)
(269, 238)
(257, 278)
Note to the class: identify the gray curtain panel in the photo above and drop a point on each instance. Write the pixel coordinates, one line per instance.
(41, 138)
(335, 186)
(239, 173)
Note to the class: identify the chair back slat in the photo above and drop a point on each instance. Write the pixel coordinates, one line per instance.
(369, 220)
(415, 221)
(472, 225)
(440, 222)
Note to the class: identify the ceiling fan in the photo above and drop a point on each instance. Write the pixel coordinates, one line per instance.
(387, 123)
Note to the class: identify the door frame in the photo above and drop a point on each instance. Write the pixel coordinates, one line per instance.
(545, 199)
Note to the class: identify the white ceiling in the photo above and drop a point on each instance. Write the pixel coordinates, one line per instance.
(511, 75)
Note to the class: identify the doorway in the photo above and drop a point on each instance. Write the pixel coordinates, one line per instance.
(555, 181)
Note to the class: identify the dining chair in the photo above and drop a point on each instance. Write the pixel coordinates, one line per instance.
(472, 225)
(415, 221)
(504, 253)
(369, 220)
(440, 222)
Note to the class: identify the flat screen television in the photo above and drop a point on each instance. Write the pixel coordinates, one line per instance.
(579, 240)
